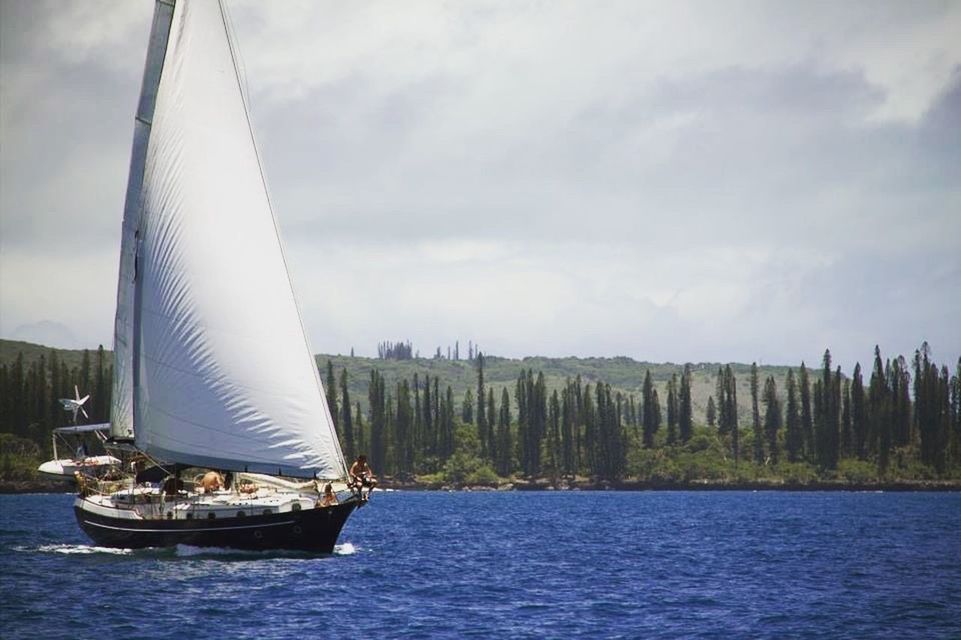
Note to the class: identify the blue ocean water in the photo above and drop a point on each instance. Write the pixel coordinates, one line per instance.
(523, 565)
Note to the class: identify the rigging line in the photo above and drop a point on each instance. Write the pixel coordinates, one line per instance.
(280, 242)
(240, 67)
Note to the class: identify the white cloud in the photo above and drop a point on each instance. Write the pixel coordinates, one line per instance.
(686, 181)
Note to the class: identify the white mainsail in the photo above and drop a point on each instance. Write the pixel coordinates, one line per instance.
(223, 375)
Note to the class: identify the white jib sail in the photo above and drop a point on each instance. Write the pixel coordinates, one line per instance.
(224, 374)
(121, 398)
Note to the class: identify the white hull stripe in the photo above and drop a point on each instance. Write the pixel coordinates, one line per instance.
(199, 530)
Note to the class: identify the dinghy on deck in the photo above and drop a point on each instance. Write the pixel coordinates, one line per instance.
(80, 462)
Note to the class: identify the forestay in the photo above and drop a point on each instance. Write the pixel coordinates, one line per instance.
(223, 373)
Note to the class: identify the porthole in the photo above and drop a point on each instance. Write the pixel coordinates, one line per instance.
(297, 529)
(258, 534)
(211, 515)
(295, 507)
(241, 514)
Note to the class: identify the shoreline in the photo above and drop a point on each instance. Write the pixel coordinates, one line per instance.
(901, 486)
(9, 487)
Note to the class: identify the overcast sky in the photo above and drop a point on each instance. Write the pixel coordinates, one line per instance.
(709, 181)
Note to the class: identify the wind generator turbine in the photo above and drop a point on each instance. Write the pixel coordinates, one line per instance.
(75, 404)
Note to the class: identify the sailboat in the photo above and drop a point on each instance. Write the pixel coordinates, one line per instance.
(213, 373)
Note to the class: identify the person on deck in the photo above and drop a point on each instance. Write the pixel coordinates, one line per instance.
(361, 476)
(211, 482)
(328, 499)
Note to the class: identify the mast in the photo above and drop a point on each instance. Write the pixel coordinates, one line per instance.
(124, 377)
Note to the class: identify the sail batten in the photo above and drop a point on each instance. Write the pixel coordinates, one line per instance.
(223, 374)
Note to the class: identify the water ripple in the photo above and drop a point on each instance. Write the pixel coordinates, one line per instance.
(572, 565)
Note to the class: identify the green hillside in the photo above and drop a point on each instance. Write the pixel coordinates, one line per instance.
(72, 357)
(890, 437)
(623, 374)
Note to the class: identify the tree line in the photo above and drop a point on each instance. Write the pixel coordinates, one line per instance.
(30, 393)
(586, 428)
(900, 410)
(401, 350)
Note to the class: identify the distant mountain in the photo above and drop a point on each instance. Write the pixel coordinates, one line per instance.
(72, 357)
(45, 332)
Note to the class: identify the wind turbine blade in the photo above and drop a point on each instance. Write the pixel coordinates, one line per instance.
(84, 399)
(76, 392)
(84, 412)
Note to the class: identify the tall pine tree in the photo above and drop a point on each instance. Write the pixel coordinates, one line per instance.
(685, 406)
(730, 411)
(467, 407)
(503, 463)
(756, 417)
(346, 421)
(652, 412)
(807, 419)
(672, 405)
(330, 387)
(859, 415)
(378, 421)
(772, 418)
(793, 438)
(481, 408)
(879, 414)
(490, 420)
(711, 412)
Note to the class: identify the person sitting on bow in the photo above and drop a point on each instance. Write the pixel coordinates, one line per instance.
(361, 476)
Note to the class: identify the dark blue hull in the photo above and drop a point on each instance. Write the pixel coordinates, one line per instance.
(307, 530)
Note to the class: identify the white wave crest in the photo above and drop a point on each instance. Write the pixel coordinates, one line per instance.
(81, 549)
(346, 549)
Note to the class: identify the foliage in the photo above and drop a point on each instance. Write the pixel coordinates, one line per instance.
(466, 466)
(797, 472)
(395, 350)
(19, 458)
(568, 418)
(857, 471)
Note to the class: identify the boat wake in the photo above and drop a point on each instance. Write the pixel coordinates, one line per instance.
(82, 549)
(185, 551)
(190, 551)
